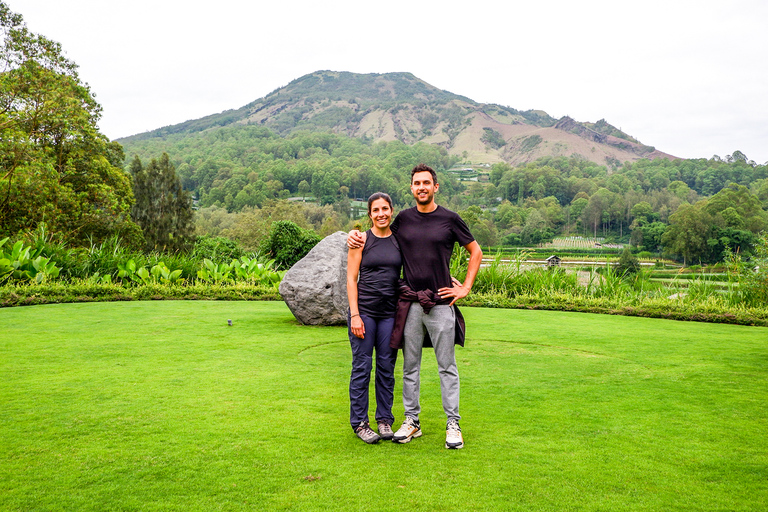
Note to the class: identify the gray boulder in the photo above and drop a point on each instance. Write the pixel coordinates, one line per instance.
(315, 288)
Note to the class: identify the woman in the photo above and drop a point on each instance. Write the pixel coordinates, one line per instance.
(372, 274)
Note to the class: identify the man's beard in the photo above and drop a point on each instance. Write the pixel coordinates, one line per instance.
(427, 200)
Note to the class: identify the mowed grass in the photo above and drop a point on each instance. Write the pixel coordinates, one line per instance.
(163, 406)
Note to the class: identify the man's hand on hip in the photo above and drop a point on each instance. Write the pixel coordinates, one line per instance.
(457, 291)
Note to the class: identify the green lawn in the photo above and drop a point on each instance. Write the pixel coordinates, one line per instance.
(162, 406)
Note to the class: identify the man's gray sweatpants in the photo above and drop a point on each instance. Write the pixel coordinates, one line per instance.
(440, 324)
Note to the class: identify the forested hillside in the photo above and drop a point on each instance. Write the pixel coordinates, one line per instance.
(692, 209)
(400, 107)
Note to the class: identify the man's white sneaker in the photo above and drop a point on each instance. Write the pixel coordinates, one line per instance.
(453, 438)
(409, 429)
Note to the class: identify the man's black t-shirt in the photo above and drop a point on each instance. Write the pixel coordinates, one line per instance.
(426, 243)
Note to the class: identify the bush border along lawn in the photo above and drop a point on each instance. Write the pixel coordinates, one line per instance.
(667, 308)
(61, 293)
(163, 406)
(710, 310)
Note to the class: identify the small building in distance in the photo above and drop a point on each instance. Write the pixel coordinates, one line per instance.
(553, 261)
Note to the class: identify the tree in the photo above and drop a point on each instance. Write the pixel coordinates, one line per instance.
(325, 186)
(688, 232)
(162, 209)
(680, 189)
(550, 209)
(512, 239)
(482, 227)
(761, 191)
(471, 215)
(303, 189)
(577, 208)
(498, 170)
(535, 229)
(331, 224)
(494, 139)
(628, 263)
(599, 209)
(739, 207)
(508, 215)
(55, 166)
(652, 236)
(731, 239)
(643, 212)
(288, 243)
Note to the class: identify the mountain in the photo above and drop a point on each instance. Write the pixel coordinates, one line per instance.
(400, 106)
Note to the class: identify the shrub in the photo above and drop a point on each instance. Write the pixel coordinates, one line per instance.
(216, 272)
(752, 276)
(493, 138)
(102, 258)
(512, 239)
(258, 272)
(529, 143)
(628, 264)
(755, 282)
(288, 243)
(25, 263)
(216, 248)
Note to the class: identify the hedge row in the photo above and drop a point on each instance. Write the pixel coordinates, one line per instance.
(710, 310)
(58, 293)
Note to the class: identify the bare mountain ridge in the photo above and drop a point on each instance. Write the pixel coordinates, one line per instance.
(399, 106)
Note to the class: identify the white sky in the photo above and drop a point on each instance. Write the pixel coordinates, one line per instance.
(688, 77)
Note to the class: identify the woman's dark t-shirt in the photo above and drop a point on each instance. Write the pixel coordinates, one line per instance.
(377, 281)
(426, 243)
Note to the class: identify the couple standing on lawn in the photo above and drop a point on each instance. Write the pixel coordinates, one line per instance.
(386, 314)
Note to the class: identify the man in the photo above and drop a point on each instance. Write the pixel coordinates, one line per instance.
(426, 234)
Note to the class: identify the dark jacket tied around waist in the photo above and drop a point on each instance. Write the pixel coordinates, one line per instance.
(428, 299)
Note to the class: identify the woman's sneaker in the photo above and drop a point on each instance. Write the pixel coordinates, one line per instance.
(365, 433)
(385, 431)
(453, 438)
(409, 429)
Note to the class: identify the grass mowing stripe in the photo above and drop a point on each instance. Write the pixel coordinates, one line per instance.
(162, 406)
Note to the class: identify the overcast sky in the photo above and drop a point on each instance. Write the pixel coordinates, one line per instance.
(688, 77)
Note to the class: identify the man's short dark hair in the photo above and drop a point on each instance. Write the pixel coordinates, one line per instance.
(424, 168)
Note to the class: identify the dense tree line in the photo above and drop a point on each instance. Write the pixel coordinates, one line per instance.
(694, 210)
(238, 171)
(246, 166)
